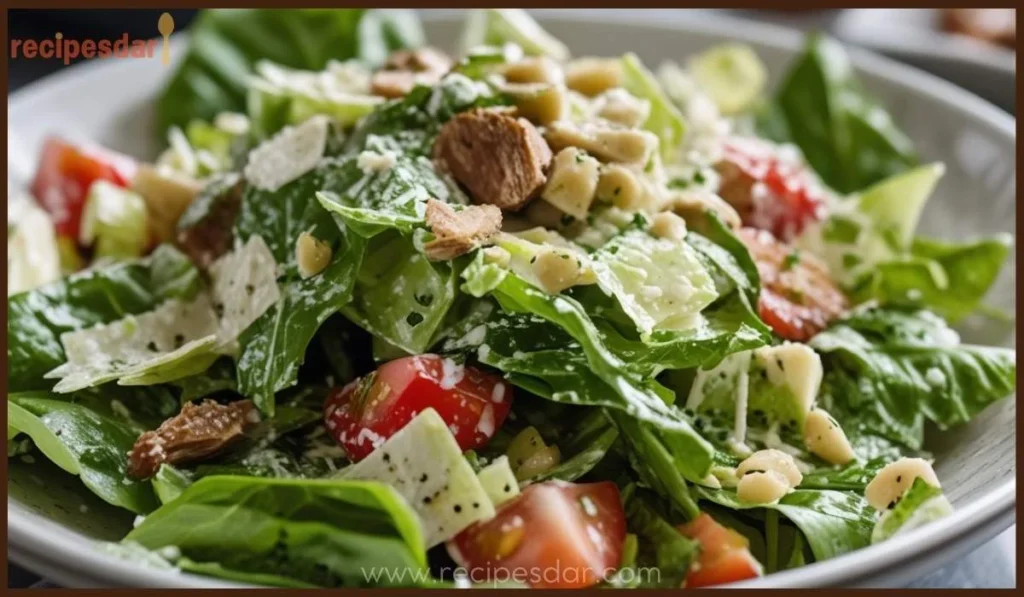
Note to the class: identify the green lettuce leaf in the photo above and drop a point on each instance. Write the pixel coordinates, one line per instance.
(833, 522)
(665, 120)
(83, 442)
(500, 26)
(224, 45)
(889, 370)
(324, 532)
(660, 544)
(847, 137)
(37, 318)
(919, 505)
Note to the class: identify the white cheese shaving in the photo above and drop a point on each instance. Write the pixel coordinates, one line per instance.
(287, 155)
(244, 287)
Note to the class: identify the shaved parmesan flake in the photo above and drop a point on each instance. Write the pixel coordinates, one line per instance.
(244, 287)
(174, 340)
(287, 155)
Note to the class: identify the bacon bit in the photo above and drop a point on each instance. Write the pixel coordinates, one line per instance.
(197, 432)
(499, 158)
(405, 69)
(459, 232)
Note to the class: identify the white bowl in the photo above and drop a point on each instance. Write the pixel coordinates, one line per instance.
(53, 522)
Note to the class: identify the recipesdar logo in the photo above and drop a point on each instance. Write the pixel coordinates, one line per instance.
(61, 48)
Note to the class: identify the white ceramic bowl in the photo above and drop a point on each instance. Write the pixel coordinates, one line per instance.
(53, 521)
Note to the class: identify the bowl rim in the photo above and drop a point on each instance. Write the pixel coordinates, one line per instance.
(71, 562)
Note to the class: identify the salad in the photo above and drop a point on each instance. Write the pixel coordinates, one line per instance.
(383, 316)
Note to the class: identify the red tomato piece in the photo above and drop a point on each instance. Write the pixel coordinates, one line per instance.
(724, 554)
(65, 174)
(769, 190)
(553, 535)
(798, 297)
(366, 412)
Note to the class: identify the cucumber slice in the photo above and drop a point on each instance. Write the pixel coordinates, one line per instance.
(731, 74)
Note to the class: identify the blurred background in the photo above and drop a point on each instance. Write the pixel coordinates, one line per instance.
(974, 48)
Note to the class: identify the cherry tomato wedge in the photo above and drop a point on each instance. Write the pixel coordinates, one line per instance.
(724, 554)
(769, 190)
(553, 535)
(64, 176)
(798, 297)
(364, 413)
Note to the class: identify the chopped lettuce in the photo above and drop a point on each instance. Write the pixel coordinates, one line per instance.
(660, 283)
(114, 221)
(888, 370)
(833, 522)
(919, 505)
(847, 137)
(665, 120)
(498, 26)
(33, 255)
(324, 532)
(224, 45)
(83, 442)
(280, 96)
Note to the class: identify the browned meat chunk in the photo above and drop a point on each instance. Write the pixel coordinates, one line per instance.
(204, 230)
(499, 158)
(197, 432)
(459, 232)
(407, 68)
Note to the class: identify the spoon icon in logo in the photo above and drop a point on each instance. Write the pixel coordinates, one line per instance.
(165, 26)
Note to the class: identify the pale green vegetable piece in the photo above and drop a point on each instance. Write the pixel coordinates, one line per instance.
(33, 255)
(498, 26)
(114, 221)
(280, 96)
(731, 74)
(424, 464)
(919, 505)
(499, 481)
(665, 120)
(894, 205)
(660, 283)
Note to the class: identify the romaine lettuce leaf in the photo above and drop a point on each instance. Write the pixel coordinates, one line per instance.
(224, 45)
(36, 319)
(848, 138)
(660, 544)
(833, 522)
(665, 120)
(324, 532)
(83, 442)
(400, 296)
(499, 26)
(950, 278)
(888, 370)
(919, 505)
(660, 284)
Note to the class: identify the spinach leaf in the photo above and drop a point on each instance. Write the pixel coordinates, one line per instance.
(83, 442)
(847, 137)
(833, 522)
(224, 45)
(37, 318)
(661, 546)
(887, 370)
(219, 377)
(329, 533)
(949, 278)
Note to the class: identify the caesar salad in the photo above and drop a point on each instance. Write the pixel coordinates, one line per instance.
(384, 315)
